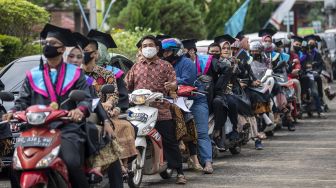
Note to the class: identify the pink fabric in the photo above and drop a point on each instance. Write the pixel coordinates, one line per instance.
(48, 83)
(60, 78)
(77, 75)
(119, 74)
(198, 65)
(35, 88)
(208, 63)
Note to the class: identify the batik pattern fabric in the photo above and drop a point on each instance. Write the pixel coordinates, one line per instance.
(152, 76)
(101, 77)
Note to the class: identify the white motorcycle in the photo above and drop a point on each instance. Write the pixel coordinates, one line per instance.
(150, 158)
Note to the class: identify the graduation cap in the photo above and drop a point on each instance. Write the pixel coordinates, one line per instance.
(162, 37)
(266, 32)
(297, 38)
(62, 34)
(312, 37)
(103, 38)
(80, 39)
(240, 35)
(189, 43)
(223, 38)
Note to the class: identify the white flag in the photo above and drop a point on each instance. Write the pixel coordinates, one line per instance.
(280, 13)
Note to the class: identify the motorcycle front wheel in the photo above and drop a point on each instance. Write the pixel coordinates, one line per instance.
(135, 181)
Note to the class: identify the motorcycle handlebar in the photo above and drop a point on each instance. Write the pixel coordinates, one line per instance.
(10, 121)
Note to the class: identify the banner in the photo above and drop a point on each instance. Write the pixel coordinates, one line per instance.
(280, 13)
(236, 23)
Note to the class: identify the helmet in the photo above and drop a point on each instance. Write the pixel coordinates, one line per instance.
(174, 45)
(256, 46)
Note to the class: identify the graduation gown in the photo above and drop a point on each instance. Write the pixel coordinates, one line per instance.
(36, 90)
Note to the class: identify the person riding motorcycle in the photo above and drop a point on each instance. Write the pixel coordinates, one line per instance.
(50, 84)
(186, 74)
(224, 103)
(157, 75)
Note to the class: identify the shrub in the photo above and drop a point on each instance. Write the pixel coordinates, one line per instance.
(11, 47)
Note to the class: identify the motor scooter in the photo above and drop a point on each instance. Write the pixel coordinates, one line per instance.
(150, 159)
(36, 156)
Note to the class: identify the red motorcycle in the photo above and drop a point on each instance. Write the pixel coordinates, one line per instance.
(36, 157)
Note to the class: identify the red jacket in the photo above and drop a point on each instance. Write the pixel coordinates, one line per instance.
(295, 61)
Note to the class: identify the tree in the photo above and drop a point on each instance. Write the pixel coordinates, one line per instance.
(21, 18)
(182, 19)
(256, 19)
(219, 12)
(164, 16)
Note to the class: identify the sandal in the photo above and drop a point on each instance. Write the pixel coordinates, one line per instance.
(208, 169)
(193, 166)
(181, 179)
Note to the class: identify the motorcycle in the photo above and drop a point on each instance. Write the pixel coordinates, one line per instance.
(150, 159)
(35, 158)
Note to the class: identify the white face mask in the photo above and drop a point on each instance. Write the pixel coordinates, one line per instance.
(149, 52)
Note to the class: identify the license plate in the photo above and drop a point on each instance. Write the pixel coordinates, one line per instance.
(137, 117)
(33, 141)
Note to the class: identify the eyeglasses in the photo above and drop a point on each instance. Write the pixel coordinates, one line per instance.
(51, 43)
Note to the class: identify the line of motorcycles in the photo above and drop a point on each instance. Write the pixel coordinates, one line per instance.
(36, 146)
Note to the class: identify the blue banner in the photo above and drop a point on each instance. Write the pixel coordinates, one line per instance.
(236, 23)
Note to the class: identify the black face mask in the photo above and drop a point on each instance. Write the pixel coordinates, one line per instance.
(87, 57)
(312, 46)
(217, 56)
(296, 48)
(257, 57)
(188, 55)
(51, 51)
(171, 59)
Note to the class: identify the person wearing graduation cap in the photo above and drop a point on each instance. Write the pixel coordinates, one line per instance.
(75, 55)
(105, 42)
(186, 74)
(109, 152)
(50, 84)
(224, 103)
(125, 132)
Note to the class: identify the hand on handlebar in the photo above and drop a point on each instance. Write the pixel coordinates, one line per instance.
(170, 86)
(256, 83)
(7, 117)
(76, 115)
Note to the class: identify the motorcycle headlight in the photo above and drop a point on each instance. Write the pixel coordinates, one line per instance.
(45, 161)
(37, 118)
(138, 99)
(16, 161)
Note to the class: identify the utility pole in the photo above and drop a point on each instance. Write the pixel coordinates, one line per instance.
(93, 14)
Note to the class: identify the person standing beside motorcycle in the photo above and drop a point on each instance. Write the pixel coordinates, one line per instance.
(65, 78)
(157, 75)
(186, 74)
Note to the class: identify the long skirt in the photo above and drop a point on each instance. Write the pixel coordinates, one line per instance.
(126, 137)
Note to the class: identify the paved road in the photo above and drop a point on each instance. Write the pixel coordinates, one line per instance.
(304, 158)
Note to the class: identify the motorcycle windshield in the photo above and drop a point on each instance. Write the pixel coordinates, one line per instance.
(259, 69)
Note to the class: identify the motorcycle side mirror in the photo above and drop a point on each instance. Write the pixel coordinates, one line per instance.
(6, 96)
(77, 95)
(108, 88)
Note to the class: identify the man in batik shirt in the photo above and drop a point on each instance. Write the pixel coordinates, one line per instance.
(157, 75)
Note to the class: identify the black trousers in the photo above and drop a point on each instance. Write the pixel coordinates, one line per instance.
(72, 154)
(318, 81)
(115, 175)
(171, 151)
(223, 107)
